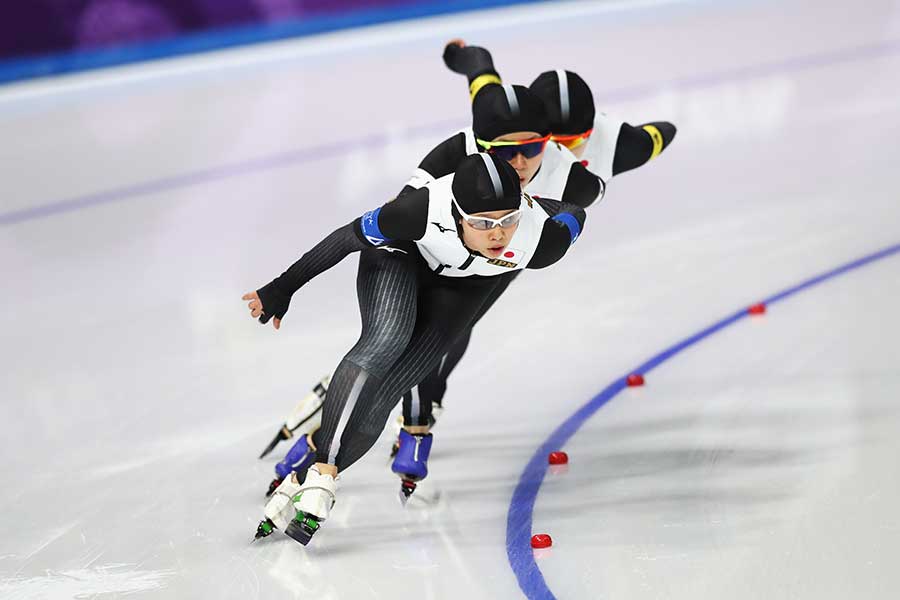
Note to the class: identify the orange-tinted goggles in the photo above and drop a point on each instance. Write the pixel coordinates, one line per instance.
(572, 141)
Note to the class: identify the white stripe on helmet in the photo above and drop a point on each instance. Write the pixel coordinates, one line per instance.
(492, 171)
(511, 99)
(563, 94)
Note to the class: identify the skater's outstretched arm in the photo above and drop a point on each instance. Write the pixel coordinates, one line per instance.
(560, 231)
(633, 145)
(636, 145)
(403, 219)
(474, 62)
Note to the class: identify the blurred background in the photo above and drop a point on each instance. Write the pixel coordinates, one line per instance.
(46, 37)
(159, 159)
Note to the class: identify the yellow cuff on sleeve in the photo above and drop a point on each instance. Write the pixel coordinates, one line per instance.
(657, 138)
(481, 81)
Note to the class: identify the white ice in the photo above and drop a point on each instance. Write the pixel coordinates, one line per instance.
(761, 463)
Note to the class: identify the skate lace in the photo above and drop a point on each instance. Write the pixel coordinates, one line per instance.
(315, 487)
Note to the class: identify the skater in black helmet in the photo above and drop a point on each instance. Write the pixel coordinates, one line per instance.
(429, 261)
(509, 122)
(606, 147)
(512, 122)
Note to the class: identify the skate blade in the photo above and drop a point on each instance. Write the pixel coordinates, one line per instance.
(421, 496)
(271, 445)
(407, 488)
(264, 529)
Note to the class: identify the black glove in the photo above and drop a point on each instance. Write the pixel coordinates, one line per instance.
(275, 302)
(470, 61)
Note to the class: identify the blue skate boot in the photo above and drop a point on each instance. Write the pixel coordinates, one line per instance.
(411, 462)
(437, 409)
(299, 458)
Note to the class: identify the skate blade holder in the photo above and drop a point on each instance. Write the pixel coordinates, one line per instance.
(302, 528)
(273, 486)
(265, 528)
(407, 487)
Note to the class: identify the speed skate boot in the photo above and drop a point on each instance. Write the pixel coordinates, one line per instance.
(313, 504)
(299, 509)
(279, 509)
(411, 462)
(436, 411)
(305, 417)
(299, 458)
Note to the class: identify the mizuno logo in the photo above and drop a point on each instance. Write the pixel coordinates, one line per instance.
(441, 227)
(392, 249)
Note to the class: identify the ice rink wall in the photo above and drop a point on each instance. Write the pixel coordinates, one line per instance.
(50, 37)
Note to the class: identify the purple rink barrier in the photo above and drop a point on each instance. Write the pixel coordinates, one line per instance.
(48, 37)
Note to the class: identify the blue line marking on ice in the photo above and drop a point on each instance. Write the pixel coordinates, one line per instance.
(335, 150)
(521, 506)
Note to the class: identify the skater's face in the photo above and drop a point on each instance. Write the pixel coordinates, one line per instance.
(492, 242)
(525, 167)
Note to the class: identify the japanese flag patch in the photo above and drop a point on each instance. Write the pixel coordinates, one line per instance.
(510, 258)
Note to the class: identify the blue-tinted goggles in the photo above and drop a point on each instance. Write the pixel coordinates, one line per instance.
(508, 150)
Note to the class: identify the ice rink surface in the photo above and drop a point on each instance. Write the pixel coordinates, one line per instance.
(139, 204)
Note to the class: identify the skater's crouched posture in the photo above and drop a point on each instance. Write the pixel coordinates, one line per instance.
(429, 261)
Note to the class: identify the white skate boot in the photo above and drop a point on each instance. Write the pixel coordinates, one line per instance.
(313, 504)
(299, 509)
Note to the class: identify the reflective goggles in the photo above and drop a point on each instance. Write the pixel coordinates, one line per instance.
(486, 223)
(508, 150)
(572, 141)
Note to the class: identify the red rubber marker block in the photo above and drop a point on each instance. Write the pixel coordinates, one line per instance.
(541, 540)
(757, 309)
(635, 380)
(558, 458)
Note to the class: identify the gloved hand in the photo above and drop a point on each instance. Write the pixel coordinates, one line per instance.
(470, 61)
(267, 302)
